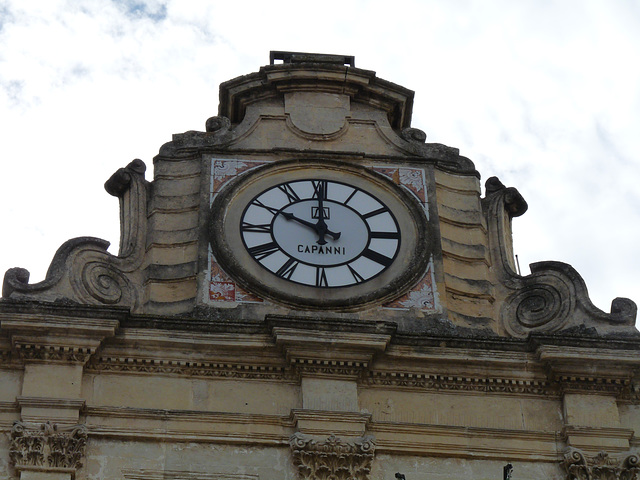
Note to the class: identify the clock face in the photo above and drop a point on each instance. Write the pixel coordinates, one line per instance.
(320, 232)
(320, 235)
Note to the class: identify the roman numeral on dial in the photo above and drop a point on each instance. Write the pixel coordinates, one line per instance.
(392, 235)
(262, 251)
(351, 195)
(287, 269)
(320, 187)
(321, 277)
(289, 192)
(377, 257)
(375, 212)
(259, 228)
(356, 276)
(258, 203)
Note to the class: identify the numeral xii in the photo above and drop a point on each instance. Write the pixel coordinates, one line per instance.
(319, 188)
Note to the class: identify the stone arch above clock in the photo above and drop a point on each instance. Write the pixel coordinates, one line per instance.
(308, 110)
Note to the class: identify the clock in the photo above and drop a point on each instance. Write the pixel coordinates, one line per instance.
(320, 235)
(319, 232)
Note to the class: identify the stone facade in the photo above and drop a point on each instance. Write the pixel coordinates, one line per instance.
(188, 357)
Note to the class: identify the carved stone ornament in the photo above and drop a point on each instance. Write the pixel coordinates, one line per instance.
(413, 135)
(600, 467)
(332, 459)
(54, 353)
(554, 296)
(82, 270)
(47, 446)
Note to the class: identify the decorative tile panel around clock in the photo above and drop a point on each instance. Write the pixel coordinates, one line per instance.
(222, 288)
(423, 296)
(224, 170)
(411, 178)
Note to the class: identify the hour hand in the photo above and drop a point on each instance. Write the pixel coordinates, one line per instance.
(314, 226)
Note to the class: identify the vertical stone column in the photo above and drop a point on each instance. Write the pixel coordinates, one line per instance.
(48, 443)
(592, 421)
(591, 380)
(331, 434)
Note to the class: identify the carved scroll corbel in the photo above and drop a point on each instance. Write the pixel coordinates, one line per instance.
(554, 296)
(82, 270)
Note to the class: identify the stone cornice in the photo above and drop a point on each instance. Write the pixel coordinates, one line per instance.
(587, 370)
(57, 324)
(235, 370)
(435, 332)
(272, 80)
(56, 338)
(465, 384)
(610, 358)
(344, 351)
(284, 348)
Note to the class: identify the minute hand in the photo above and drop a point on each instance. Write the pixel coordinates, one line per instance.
(291, 216)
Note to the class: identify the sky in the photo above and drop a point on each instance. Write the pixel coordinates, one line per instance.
(543, 94)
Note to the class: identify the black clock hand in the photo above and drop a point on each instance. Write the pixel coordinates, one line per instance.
(314, 226)
(321, 226)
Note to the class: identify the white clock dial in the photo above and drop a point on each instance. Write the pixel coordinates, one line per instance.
(320, 232)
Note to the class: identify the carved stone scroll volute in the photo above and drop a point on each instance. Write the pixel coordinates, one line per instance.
(553, 297)
(333, 458)
(82, 270)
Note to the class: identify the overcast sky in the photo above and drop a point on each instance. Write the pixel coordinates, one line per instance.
(542, 94)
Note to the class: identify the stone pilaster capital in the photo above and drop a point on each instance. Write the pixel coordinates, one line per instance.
(47, 447)
(332, 457)
(580, 466)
